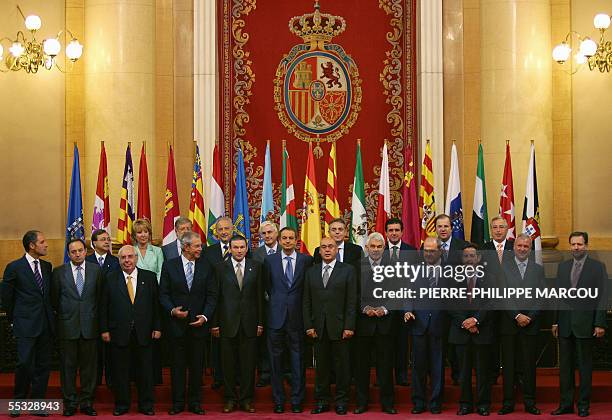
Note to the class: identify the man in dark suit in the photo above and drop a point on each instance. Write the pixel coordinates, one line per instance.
(519, 327)
(188, 294)
(348, 252)
(429, 330)
(268, 232)
(216, 254)
(129, 320)
(26, 292)
(498, 250)
(329, 304)
(397, 250)
(578, 324)
(452, 252)
(75, 292)
(284, 281)
(239, 321)
(471, 331)
(376, 329)
(174, 249)
(101, 243)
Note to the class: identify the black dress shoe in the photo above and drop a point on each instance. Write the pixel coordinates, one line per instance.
(229, 407)
(319, 409)
(147, 412)
(14, 414)
(69, 412)
(464, 411)
(40, 414)
(248, 408)
(435, 410)
(119, 411)
(89, 411)
(174, 411)
(296, 408)
(216, 385)
(483, 411)
(418, 410)
(532, 409)
(196, 409)
(583, 412)
(506, 409)
(262, 382)
(279, 409)
(360, 409)
(341, 410)
(402, 383)
(562, 410)
(389, 410)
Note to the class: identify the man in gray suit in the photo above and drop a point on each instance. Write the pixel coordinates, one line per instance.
(75, 291)
(173, 249)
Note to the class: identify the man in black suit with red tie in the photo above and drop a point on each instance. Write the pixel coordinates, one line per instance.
(398, 250)
(188, 294)
(238, 321)
(284, 281)
(26, 292)
(129, 321)
(579, 323)
(329, 304)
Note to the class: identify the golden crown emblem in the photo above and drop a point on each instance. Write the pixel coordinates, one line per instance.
(316, 27)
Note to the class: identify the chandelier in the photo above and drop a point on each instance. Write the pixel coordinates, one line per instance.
(31, 54)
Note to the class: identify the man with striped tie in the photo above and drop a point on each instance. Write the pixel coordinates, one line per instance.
(75, 291)
(188, 293)
(26, 299)
(102, 245)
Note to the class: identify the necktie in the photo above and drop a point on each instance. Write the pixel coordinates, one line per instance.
(225, 251)
(471, 284)
(130, 288)
(394, 252)
(445, 250)
(522, 268)
(500, 252)
(271, 251)
(101, 261)
(338, 256)
(575, 275)
(325, 275)
(433, 282)
(189, 274)
(80, 281)
(37, 276)
(289, 271)
(239, 275)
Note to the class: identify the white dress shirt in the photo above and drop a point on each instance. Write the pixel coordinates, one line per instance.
(31, 262)
(331, 266)
(341, 251)
(134, 277)
(74, 271)
(293, 257)
(274, 248)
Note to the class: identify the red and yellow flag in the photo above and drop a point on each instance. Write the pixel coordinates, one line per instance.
(311, 225)
(196, 202)
(126, 203)
(144, 202)
(171, 202)
(427, 202)
(332, 208)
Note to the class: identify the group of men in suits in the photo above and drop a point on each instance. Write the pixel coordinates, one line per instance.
(327, 299)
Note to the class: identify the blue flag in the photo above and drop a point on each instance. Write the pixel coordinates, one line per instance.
(74, 220)
(267, 201)
(454, 208)
(242, 225)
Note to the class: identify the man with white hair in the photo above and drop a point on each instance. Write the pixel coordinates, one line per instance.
(130, 325)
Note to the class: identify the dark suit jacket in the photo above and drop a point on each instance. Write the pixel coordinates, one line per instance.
(285, 304)
(407, 252)
(490, 255)
(429, 318)
(25, 304)
(214, 254)
(479, 308)
(352, 255)
(370, 326)
(118, 315)
(579, 318)
(534, 278)
(259, 254)
(200, 300)
(332, 307)
(455, 253)
(111, 263)
(239, 308)
(76, 315)
(170, 250)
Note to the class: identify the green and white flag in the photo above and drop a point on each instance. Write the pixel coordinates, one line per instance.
(359, 217)
(480, 218)
(288, 216)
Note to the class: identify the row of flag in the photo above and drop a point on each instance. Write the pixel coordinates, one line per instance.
(417, 214)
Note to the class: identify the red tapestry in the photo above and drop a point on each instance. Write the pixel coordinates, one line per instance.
(321, 72)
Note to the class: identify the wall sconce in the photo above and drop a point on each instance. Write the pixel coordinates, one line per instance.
(596, 55)
(31, 54)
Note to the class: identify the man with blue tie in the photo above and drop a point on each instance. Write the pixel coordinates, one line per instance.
(174, 249)
(188, 293)
(26, 299)
(284, 279)
(75, 292)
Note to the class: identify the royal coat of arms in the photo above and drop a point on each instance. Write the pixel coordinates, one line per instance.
(317, 89)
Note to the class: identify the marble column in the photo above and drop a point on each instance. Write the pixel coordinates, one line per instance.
(119, 91)
(516, 98)
(430, 79)
(205, 76)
